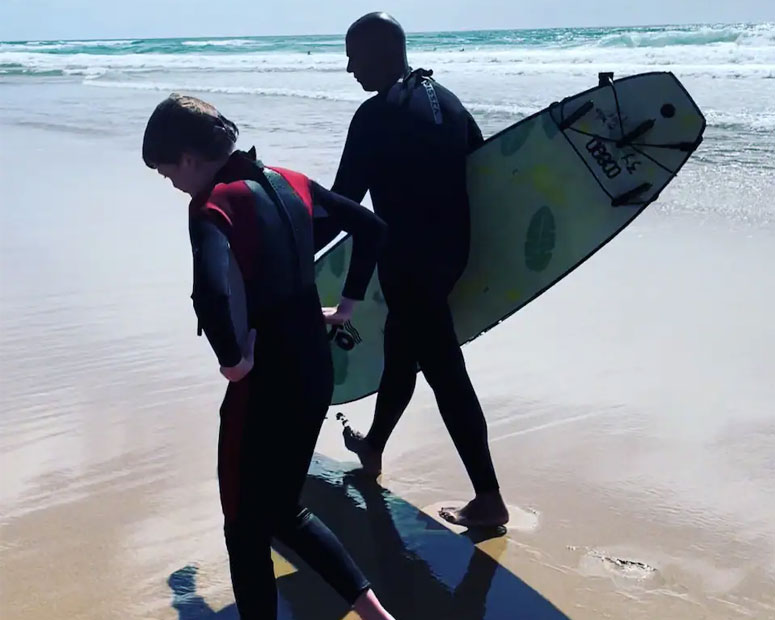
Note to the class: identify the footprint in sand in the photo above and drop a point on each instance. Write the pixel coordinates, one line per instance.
(599, 563)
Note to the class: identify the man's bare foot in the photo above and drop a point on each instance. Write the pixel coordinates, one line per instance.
(370, 459)
(484, 511)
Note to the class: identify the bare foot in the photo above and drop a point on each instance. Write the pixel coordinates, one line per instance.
(484, 511)
(368, 607)
(370, 459)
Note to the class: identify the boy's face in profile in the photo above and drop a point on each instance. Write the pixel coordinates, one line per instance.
(184, 175)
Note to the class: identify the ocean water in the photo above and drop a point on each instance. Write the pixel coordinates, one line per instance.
(288, 85)
(630, 406)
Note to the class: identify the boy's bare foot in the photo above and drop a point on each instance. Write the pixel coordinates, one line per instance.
(368, 607)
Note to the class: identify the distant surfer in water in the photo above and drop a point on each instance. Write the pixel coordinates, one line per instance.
(407, 146)
(281, 379)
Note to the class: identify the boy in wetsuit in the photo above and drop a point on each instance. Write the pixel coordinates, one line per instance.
(281, 380)
(407, 146)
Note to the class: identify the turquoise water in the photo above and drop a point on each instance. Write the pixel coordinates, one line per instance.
(562, 38)
(292, 95)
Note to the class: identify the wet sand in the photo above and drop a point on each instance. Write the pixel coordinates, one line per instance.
(630, 415)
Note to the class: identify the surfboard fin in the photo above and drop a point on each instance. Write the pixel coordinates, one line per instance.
(605, 78)
(628, 138)
(686, 147)
(571, 119)
(626, 198)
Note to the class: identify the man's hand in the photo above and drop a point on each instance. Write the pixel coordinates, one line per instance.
(241, 370)
(341, 314)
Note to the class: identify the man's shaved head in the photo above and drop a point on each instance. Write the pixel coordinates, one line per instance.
(379, 25)
(376, 46)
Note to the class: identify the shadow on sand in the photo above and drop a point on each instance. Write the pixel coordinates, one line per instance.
(420, 569)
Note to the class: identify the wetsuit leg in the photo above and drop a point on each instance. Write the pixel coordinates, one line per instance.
(267, 441)
(443, 366)
(420, 329)
(319, 547)
(247, 528)
(398, 381)
(296, 526)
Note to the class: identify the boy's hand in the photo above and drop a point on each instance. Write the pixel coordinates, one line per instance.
(241, 370)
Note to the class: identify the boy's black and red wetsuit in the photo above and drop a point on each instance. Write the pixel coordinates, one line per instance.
(265, 218)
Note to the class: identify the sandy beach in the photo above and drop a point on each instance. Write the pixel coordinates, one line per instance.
(630, 408)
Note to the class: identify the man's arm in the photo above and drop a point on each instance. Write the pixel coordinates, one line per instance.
(352, 179)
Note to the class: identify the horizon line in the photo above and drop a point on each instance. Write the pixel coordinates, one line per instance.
(409, 33)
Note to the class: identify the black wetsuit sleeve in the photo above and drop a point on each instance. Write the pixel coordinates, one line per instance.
(352, 177)
(367, 230)
(475, 138)
(211, 289)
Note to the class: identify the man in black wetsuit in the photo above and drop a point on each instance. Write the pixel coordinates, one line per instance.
(407, 146)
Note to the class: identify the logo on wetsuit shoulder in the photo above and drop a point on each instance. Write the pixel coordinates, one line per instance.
(433, 101)
(345, 336)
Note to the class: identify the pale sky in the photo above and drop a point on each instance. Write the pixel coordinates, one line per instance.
(96, 19)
